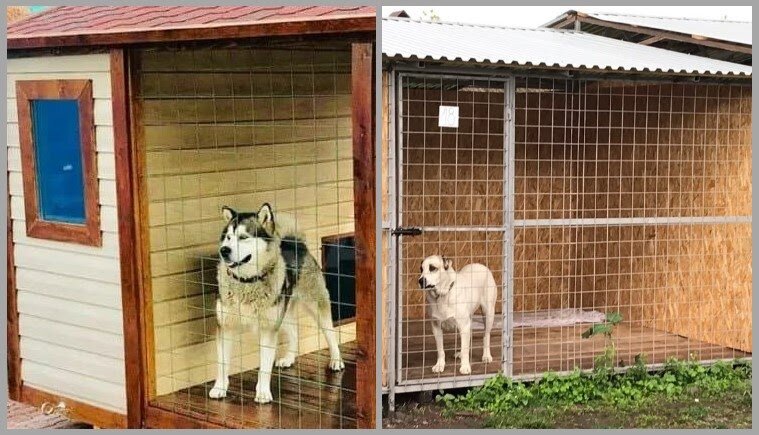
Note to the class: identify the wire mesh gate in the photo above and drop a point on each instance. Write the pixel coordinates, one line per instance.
(594, 196)
(450, 201)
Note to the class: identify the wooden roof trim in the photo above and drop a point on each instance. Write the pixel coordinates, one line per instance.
(694, 39)
(310, 26)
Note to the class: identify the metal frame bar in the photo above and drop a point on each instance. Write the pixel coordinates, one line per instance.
(504, 70)
(507, 298)
(392, 276)
(397, 357)
(480, 379)
(695, 220)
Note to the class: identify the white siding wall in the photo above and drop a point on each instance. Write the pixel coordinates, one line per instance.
(69, 296)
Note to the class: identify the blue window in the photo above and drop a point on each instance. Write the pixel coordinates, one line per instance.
(58, 160)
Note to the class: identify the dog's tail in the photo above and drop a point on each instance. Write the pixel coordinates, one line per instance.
(286, 225)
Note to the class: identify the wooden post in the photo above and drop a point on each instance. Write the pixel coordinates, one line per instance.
(12, 333)
(128, 252)
(364, 185)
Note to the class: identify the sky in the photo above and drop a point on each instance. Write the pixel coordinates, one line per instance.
(533, 16)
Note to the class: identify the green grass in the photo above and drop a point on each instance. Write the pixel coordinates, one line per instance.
(682, 394)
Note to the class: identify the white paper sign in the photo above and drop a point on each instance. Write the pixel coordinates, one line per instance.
(448, 117)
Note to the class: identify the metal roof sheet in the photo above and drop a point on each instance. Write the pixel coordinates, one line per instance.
(724, 30)
(88, 20)
(542, 47)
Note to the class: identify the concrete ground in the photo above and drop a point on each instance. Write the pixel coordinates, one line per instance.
(23, 416)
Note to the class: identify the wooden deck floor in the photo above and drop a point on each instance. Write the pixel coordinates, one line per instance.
(307, 395)
(537, 350)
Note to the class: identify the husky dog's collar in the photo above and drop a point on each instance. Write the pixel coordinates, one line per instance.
(240, 263)
(248, 280)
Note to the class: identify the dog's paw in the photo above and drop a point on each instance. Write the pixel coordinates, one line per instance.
(487, 358)
(457, 355)
(465, 369)
(285, 362)
(263, 396)
(218, 391)
(336, 364)
(439, 367)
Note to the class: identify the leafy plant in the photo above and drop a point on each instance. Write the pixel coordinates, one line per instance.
(637, 386)
(605, 362)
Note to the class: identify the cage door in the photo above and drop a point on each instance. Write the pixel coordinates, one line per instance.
(451, 203)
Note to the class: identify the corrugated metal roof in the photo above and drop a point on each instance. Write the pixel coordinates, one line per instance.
(732, 31)
(416, 39)
(88, 20)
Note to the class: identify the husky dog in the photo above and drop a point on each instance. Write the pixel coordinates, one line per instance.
(455, 296)
(264, 270)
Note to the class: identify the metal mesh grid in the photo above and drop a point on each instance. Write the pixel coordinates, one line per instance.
(240, 127)
(626, 197)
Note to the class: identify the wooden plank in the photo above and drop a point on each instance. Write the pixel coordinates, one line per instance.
(107, 214)
(101, 82)
(306, 395)
(84, 63)
(76, 337)
(141, 247)
(538, 350)
(70, 312)
(77, 410)
(318, 26)
(13, 352)
(77, 289)
(693, 39)
(73, 360)
(125, 194)
(74, 264)
(364, 157)
(75, 386)
(156, 417)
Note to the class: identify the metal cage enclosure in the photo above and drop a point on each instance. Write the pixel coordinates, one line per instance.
(584, 197)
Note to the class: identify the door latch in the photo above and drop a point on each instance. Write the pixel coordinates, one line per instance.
(407, 231)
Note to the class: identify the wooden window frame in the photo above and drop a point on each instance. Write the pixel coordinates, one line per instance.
(36, 227)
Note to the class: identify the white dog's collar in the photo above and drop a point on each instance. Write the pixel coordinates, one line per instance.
(437, 295)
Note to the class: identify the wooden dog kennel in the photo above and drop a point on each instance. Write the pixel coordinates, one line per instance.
(182, 110)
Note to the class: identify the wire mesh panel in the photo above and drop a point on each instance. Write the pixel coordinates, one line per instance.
(631, 198)
(450, 192)
(264, 130)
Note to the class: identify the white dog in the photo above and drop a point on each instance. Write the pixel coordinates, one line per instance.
(455, 296)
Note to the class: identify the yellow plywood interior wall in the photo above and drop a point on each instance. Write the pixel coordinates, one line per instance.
(236, 127)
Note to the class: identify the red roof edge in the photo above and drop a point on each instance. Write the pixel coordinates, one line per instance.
(332, 24)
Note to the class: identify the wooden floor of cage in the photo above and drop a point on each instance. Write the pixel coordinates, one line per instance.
(306, 395)
(557, 349)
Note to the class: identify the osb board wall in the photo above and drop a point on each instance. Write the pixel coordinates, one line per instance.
(674, 150)
(451, 177)
(666, 150)
(236, 127)
(547, 149)
(690, 280)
